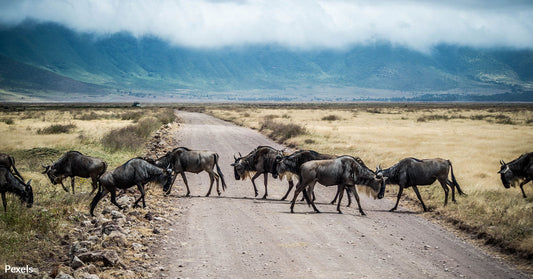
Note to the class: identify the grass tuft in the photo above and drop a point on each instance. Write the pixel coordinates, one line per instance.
(281, 131)
(331, 117)
(57, 129)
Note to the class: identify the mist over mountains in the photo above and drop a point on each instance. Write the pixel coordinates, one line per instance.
(48, 62)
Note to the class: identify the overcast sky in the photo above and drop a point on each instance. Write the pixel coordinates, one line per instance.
(296, 24)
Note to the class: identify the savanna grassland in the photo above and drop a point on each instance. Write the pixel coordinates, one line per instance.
(36, 135)
(474, 137)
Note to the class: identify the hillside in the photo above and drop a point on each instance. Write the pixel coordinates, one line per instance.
(35, 83)
(86, 63)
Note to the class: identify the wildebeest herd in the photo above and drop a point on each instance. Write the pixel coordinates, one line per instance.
(308, 166)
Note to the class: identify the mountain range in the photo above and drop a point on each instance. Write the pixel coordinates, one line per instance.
(48, 62)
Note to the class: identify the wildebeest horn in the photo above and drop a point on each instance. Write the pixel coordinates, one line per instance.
(29, 182)
(240, 154)
(502, 162)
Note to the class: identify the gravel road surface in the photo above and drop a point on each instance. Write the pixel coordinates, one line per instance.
(239, 236)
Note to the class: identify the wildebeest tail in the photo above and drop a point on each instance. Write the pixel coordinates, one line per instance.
(220, 173)
(455, 181)
(104, 170)
(12, 162)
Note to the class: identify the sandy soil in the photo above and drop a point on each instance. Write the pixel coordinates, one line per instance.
(238, 236)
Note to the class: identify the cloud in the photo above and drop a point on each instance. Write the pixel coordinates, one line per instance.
(301, 24)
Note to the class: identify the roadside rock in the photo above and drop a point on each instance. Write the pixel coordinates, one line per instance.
(76, 263)
(62, 275)
(108, 257)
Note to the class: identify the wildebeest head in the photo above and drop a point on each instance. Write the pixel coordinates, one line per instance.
(508, 178)
(166, 178)
(51, 171)
(239, 168)
(27, 194)
(165, 160)
(379, 175)
(282, 165)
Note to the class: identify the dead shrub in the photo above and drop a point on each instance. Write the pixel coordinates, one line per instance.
(57, 129)
(331, 117)
(281, 131)
(131, 137)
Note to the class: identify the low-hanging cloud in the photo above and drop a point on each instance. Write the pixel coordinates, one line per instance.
(300, 24)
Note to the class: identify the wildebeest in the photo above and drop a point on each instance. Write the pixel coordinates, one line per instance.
(519, 169)
(8, 162)
(182, 160)
(411, 172)
(73, 164)
(12, 184)
(135, 172)
(292, 164)
(343, 171)
(259, 161)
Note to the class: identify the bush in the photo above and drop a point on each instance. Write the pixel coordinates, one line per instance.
(122, 139)
(504, 119)
(331, 117)
(8, 121)
(56, 129)
(282, 131)
(165, 116)
(131, 115)
(89, 116)
(131, 137)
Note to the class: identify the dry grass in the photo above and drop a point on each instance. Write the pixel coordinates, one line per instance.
(33, 236)
(474, 138)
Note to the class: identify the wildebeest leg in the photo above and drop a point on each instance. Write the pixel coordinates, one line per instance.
(170, 187)
(311, 189)
(94, 184)
(186, 183)
(446, 190)
(340, 192)
(299, 188)
(400, 191)
(64, 188)
(291, 184)
(296, 192)
(420, 197)
(256, 175)
(114, 199)
(336, 196)
(211, 180)
(97, 198)
(347, 194)
(141, 189)
(453, 189)
(72, 184)
(356, 195)
(522, 187)
(265, 175)
(217, 178)
(4, 202)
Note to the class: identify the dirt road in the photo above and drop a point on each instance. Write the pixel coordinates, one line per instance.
(239, 236)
